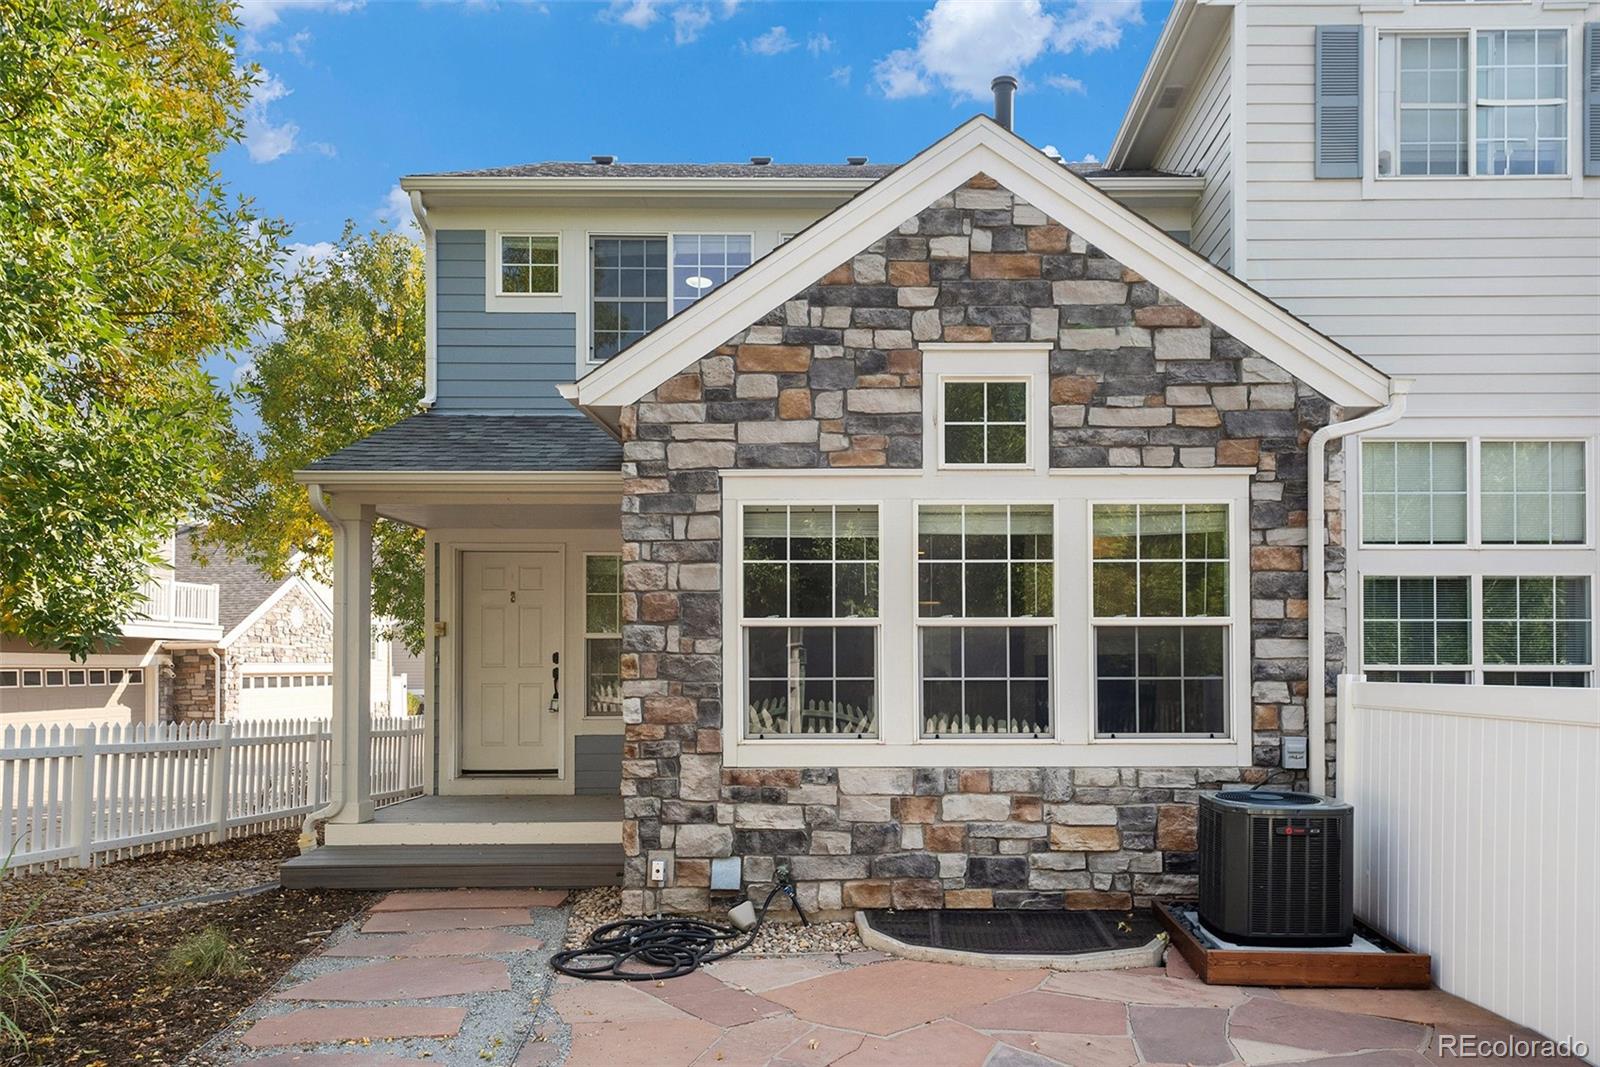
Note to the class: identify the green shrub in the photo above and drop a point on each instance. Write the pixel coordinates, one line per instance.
(202, 956)
(22, 984)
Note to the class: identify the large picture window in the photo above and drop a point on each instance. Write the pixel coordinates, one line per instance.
(809, 612)
(1161, 619)
(985, 607)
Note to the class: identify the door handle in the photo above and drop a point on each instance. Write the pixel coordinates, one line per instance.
(555, 690)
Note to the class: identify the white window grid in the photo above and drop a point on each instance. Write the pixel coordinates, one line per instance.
(1042, 569)
(1373, 588)
(1139, 621)
(1474, 540)
(299, 680)
(1476, 666)
(1392, 503)
(535, 247)
(705, 257)
(945, 421)
(1560, 503)
(869, 625)
(67, 677)
(1437, 66)
(1525, 588)
(1535, 87)
(1546, 130)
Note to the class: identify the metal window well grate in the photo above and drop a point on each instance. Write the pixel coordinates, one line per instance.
(1018, 933)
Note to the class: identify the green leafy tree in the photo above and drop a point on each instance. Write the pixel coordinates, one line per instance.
(349, 361)
(123, 261)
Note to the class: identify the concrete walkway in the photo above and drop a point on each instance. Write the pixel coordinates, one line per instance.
(462, 978)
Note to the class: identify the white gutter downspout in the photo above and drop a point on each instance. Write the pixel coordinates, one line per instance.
(308, 829)
(1316, 578)
(430, 304)
(216, 686)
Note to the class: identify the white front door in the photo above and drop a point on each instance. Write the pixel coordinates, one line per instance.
(510, 649)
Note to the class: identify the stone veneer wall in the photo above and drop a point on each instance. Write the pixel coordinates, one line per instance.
(832, 378)
(273, 638)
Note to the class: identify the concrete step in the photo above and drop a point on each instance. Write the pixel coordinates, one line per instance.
(454, 866)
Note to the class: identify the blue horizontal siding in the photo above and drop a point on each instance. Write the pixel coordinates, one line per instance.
(494, 361)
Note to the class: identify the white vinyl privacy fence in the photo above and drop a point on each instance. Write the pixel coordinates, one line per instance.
(1478, 839)
(77, 796)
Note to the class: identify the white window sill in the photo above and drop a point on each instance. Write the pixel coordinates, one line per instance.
(1000, 752)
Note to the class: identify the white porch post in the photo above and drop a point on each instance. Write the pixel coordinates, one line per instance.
(351, 769)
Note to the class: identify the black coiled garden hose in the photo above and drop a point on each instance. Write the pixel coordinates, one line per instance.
(649, 950)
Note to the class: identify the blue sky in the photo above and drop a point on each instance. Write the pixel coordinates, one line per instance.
(359, 94)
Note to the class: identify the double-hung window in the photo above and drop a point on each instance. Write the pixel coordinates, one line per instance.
(1414, 492)
(809, 614)
(602, 637)
(1492, 102)
(985, 614)
(1533, 492)
(1161, 619)
(1537, 631)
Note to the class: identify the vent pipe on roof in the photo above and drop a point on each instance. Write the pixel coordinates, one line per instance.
(760, 161)
(856, 161)
(604, 161)
(1005, 91)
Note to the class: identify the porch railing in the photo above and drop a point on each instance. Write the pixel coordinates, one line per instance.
(169, 600)
(81, 796)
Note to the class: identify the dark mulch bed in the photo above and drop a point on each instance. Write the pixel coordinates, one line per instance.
(121, 1010)
(156, 878)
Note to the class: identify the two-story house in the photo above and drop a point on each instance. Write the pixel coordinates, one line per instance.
(936, 531)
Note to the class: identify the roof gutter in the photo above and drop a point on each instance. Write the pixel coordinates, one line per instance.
(430, 309)
(1316, 570)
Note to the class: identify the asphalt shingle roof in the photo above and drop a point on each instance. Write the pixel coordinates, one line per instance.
(556, 169)
(434, 442)
(240, 587)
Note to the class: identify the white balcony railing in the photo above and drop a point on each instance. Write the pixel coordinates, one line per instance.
(185, 603)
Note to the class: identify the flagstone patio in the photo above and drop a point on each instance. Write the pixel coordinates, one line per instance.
(463, 978)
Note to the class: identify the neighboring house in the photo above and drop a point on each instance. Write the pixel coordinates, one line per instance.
(946, 527)
(216, 638)
(123, 683)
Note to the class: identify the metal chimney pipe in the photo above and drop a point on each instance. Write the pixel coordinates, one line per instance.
(1005, 90)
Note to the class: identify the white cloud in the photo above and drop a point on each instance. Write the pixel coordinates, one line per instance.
(774, 42)
(819, 43)
(258, 16)
(638, 14)
(962, 44)
(687, 22)
(264, 139)
(840, 76)
(1066, 83)
(1089, 157)
(300, 254)
(395, 212)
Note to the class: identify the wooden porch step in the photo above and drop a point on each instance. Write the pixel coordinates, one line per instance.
(454, 867)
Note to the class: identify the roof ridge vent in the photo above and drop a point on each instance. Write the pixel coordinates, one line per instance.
(604, 161)
(760, 161)
(856, 161)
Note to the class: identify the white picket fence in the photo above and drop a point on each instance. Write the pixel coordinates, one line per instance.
(1477, 827)
(79, 796)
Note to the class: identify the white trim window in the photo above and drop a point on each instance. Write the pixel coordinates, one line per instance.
(602, 635)
(1414, 492)
(985, 619)
(628, 296)
(1162, 619)
(808, 620)
(1537, 630)
(703, 261)
(983, 422)
(1533, 493)
(1417, 628)
(1481, 103)
(529, 264)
